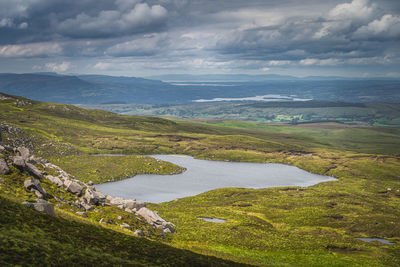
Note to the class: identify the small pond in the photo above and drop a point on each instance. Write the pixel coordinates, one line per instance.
(370, 239)
(214, 220)
(205, 175)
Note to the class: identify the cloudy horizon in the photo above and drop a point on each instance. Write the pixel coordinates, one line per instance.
(357, 38)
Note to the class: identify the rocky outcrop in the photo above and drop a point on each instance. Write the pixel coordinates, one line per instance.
(23, 152)
(33, 185)
(73, 187)
(55, 180)
(20, 157)
(4, 169)
(42, 206)
(154, 219)
(32, 170)
(131, 204)
(19, 162)
(94, 197)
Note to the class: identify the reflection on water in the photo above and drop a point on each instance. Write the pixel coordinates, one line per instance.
(205, 175)
(214, 220)
(370, 239)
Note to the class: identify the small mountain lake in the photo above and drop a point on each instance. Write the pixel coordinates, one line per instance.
(206, 175)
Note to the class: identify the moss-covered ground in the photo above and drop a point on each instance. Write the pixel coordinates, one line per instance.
(313, 226)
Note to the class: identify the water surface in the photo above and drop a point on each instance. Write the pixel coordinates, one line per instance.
(205, 175)
(266, 98)
(370, 239)
(214, 220)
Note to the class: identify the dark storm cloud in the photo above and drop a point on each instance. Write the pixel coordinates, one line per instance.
(356, 29)
(223, 34)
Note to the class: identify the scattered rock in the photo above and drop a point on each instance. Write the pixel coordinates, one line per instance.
(73, 187)
(19, 162)
(90, 183)
(116, 201)
(86, 206)
(55, 180)
(126, 203)
(133, 204)
(138, 233)
(32, 170)
(150, 216)
(33, 185)
(4, 167)
(37, 193)
(42, 206)
(2, 148)
(154, 219)
(168, 226)
(167, 231)
(94, 197)
(128, 210)
(23, 152)
(36, 160)
(126, 226)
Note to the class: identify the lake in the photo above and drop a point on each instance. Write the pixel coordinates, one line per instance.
(266, 98)
(205, 175)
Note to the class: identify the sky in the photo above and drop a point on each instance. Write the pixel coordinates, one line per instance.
(359, 38)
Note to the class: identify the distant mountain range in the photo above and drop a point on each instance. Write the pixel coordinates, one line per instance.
(247, 78)
(98, 89)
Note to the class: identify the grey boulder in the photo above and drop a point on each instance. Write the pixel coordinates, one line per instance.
(4, 167)
(94, 197)
(150, 216)
(55, 180)
(133, 204)
(42, 206)
(73, 187)
(32, 170)
(23, 152)
(33, 185)
(19, 162)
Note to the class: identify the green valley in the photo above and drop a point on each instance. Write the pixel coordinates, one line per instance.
(285, 226)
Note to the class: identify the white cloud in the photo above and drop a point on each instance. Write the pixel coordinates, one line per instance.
(357, 9)
(321, 62)
(6, 22)
(114, 22)
(387, 26)
(30, 50)
(278, 62)
(58, 67)
(102, 66)
(345, 16)
(148, 45)
(23, 25)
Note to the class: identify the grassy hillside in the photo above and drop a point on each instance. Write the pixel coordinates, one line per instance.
(313, 226)
(28, 237)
